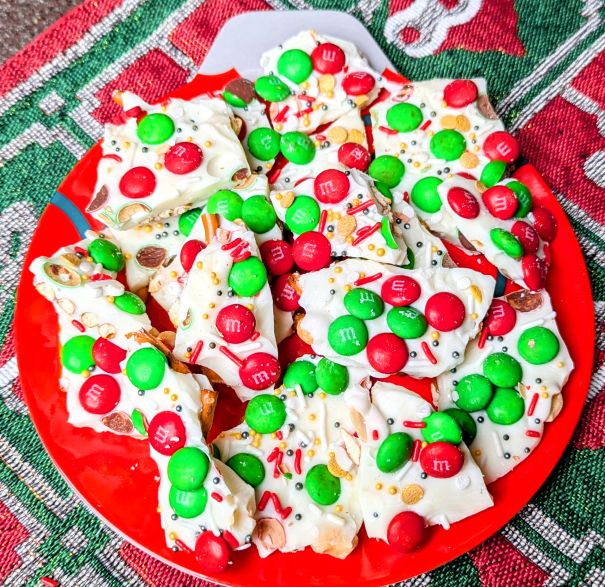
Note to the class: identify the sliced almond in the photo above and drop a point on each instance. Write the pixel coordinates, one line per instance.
(286, 199)
(327, 83)
(351, 446)
(45, 290)
(359, 424)
(555, 408)
(67, 306)
(346, 225)
(107, 330)
(89, 319)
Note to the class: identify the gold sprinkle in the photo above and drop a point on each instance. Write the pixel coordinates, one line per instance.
(273, 435)
(212, 305)
(424, 444)
(282, 445)
(312, 417)
(127, 256)
(330, 235)
(86, 373)
(322, 395)
(317, 441)
(278, 196)
(474, 315)
(167, 390)
(215, 281)
(204, 316)
(349, 477)
(207, 143)
(371, 247)
(412, 494)
(560, 364)
(174, 274)
(174, 397)
(543, 388)
(311, 453)
(338, 509)
(292, 394)
(110, 299)
(256, 444)
(279, 127)
(158, 166)
(392, 490)
(378, 486)
(476, 293)
(172, 536)
(416, 164)
(159, 225)
(200, 264)
(250, 307)
(337, 269)
(434, 249)
(435, 335)
(380, 252)
(187, 355)
(331, 280)
(545, 395)
(348, 287)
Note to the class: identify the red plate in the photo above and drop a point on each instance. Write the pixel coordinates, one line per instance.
(116, 477)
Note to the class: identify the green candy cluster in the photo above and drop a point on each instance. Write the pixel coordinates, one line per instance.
(328, 376)
(441, 427)
(297, 148)
(271, 88)
(187, 470)
(107, 254)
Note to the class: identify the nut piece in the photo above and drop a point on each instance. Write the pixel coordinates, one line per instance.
(469, 160)
(99, 200)
(525, 301)
(242, 88)
(337, 134)
(286, 199)
(326, 83)
(127, 212)
(356, 136)
(67, 306)
(555, 408)
(45, 290)
(89, 319)
(463, 124)
(269, 534)
(107, 330)
(118, 422)
(448, 121)
(346, 225)
(151, 257)
(486, 108)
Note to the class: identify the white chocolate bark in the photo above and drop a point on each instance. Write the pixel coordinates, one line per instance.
(363, 210)
(198, 340)
(204, 122)
(498, 448)
(383, 495)
(328, 99)
(322, 308)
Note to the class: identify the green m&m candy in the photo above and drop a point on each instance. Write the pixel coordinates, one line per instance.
(492, 173)
(441, 427)
(447, 144)
(506, 407)
(258, 214)
(466, 423)
(248, 467)
(145, 368)
(523, 198)
(502, 370)
(295, 64)
(411, 260)
(394, 452)
(265, 413)
(323, 487)
(407, 322)
(387, 235)
(188, 504)
(474, 392)
(301, 373)
(404, 117)
(363, 303)
(187, 468)
(538, 345)
(130, 303)
(384, 190)
(154, 129)
(506, 242)
(271, 88)
(247, 277)
(188, 219)
(331, 377)
(138, 421)
(108, 254)
(263, 143)
(76, 354)
(226, 203)
(348, 335)
(388, 170)
(297, 148)
(303, 215)
(424, 194)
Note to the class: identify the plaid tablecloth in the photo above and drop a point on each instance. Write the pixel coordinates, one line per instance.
(545, 65)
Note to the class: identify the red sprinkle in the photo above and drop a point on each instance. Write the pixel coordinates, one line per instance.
(199, 345)
(361, 207)
(532, 404)
(305, 98)
(273, 455)
(276, 502)
(182, 546)
(217, 496)
(483, 337)
(532, 433)
(231, 245)
(239, 249)
(374, 434)
(81, 251)
(368, 279)
(285, 513)
(230, 539)
(426, 125)
(280, 435)
(99, 277)
(262, 504)
(416, 450)
(304, 112)
(364, 234)
(387, 130)
(78, 325)
(297, 459)
(231, 356)
(427, 351)
(115, 158)
(410, 424)
(278, 461)
(242, 257)
(281, 115)
(322, 220)
(320, 138)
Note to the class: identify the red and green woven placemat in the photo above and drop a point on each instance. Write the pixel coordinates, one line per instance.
(545, 64)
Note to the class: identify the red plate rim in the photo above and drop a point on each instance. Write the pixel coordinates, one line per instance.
(106, 471)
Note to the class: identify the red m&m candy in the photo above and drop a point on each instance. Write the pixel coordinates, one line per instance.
(277, 256)
(400, 290)
(463, 203)
(138, 182)
(405, 532)
(312, 251)
(183, 158)
(99, 394)
(501, 146)
(167, 433)
(328, 58)
(526, 235)
(108, 355)
(358, 83)
(545, 223)
(534, 271)
(259, 371)
(286, 298)
(501, 318)
(500, 201)
(331, 186)
(460, 93)
(354, 156)
(387, 353)
(445, 311)
(211, 552)
(236, 323)
(189, 251)
(441, 460)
